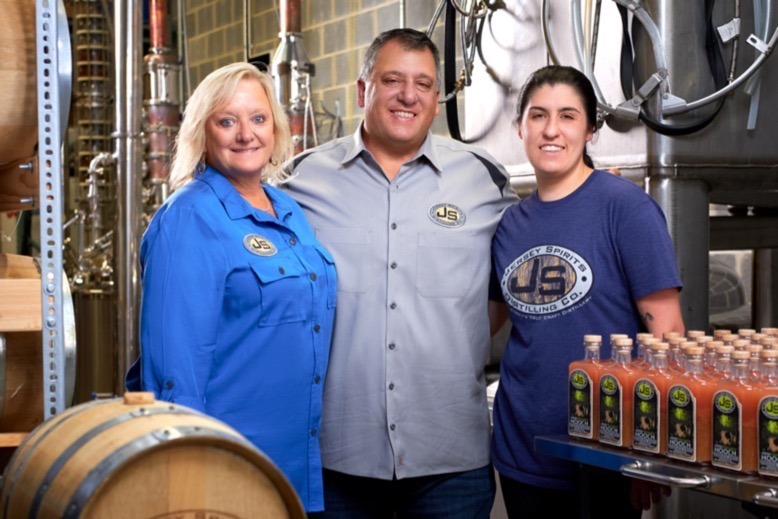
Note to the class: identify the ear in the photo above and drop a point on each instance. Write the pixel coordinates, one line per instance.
(360, 93)
(590, 135)
(520, 135)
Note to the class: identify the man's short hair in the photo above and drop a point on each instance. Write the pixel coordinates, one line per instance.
(408, 39)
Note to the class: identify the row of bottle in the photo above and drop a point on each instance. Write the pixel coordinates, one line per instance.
(695, 399)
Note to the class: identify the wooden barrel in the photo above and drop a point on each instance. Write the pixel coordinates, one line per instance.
(138, 458)
(18, 97)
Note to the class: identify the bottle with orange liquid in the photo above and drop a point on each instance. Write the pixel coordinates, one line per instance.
(616, 392)
(767, 417)
(689, 411)
(649, 405)
(735, 404)
(583, 402)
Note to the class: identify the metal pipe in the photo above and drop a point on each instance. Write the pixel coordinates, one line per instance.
(128, 15)
(290, 69)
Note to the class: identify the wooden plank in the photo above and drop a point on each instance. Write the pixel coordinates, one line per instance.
(20, 305)
(14, 266)
(12, 439)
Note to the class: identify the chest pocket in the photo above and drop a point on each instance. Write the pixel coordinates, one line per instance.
(281, 286)
(445, 265)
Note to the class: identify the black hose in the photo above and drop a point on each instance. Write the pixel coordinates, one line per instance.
(715, 62)
(450, 72)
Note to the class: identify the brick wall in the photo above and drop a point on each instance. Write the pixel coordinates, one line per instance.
(335, 34)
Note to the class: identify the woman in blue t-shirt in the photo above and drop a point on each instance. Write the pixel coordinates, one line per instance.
(587, 253)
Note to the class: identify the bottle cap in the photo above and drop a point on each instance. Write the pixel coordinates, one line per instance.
(623, 343)
(718, 334)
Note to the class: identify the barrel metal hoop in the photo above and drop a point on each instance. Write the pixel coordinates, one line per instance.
(139, 445)
(68, 453)
(11, 480)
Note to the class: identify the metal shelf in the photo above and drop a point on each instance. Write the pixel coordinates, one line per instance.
(661, 470)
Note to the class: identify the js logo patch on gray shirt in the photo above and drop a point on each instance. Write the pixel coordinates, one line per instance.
(447, 215)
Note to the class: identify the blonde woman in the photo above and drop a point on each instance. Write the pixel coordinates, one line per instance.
(238, 296)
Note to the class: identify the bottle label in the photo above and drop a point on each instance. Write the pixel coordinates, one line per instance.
(768, 436)
(727, 450)
(681, 424)
(610, 411)
(647, 416)
(579, 410)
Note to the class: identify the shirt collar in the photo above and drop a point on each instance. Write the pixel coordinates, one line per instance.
(357, 146)
(235, 205)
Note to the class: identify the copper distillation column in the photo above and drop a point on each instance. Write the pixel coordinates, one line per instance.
(292, 74)
(161, 104)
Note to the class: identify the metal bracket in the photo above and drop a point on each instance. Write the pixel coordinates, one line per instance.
(758, 43)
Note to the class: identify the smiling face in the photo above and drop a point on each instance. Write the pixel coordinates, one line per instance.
(239, 138)
(400, 99)
(555, 131)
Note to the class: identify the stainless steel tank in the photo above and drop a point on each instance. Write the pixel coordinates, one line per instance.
(723, 163)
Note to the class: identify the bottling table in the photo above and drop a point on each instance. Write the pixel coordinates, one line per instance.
(661, 470)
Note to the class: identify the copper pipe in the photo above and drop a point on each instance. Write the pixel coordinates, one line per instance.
(158, 24)
(291, 20)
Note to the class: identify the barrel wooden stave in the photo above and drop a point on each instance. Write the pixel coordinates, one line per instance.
(204, 466)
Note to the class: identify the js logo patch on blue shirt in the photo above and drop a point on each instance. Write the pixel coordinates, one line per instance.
(447, 215)
(545, 280)
(259, 245)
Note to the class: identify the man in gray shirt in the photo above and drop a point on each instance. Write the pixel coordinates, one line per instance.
(409, 218)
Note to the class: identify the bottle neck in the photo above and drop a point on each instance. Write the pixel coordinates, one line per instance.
(769, 370)
(659, 361)
(623, 356)
(592, 353)
(694, 365)
(740, 370)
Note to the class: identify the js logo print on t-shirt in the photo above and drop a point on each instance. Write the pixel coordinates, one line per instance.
(545, 280)
(447, 215)
(259, 245)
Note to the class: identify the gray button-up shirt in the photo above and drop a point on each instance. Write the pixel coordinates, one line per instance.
(404, 392)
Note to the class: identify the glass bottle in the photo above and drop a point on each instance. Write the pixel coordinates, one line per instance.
(734, 419)
(583, 380)
(616, 394)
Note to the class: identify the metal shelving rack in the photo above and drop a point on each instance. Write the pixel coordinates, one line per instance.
(661, 470)
(50, 186)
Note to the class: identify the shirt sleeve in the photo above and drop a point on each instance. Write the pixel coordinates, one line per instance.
(646, 250)
(184, 272)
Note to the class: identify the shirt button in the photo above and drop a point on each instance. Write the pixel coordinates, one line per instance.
(316, 328)
(280, 270)
(392, 427)
(393, 265)
(292, 241)
(394, 226)
(169, 384)
(313, 432)
(316, 379)
(393, 306)
(391, 386)
(313, 277)
(391, 345)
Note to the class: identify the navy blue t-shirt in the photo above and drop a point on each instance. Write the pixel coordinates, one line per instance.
(567, 268)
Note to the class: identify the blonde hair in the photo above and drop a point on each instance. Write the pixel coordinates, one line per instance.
(213, 93)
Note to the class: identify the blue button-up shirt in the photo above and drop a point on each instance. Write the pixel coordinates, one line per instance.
(236, 319)
(405, 391)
